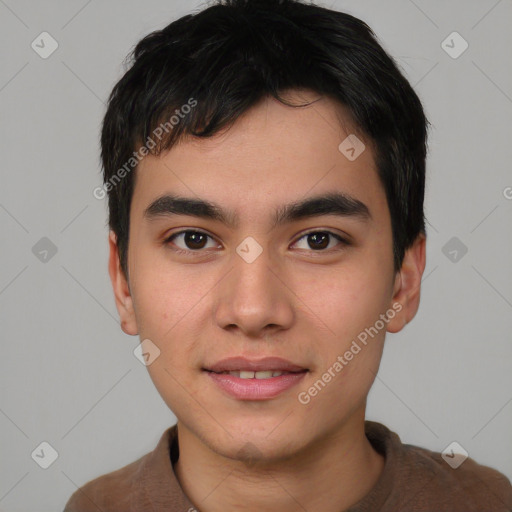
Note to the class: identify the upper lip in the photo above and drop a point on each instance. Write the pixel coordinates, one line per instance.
(252, 365)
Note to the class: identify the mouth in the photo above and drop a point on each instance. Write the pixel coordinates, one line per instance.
(263, 374)
(246, 366)
(262, 379)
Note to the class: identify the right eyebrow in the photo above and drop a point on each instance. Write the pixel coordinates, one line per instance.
(168, 205)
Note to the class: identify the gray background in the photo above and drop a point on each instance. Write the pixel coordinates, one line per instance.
(68, 373)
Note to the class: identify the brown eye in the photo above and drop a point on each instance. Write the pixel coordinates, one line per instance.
(318, 240)
(321, 240)
(192, 240)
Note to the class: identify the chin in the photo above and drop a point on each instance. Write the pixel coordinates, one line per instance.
(259, 450)
(265, 439)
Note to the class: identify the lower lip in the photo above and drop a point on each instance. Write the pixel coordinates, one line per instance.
(255, 389)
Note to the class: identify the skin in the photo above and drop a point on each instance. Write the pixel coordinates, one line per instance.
(295, 302)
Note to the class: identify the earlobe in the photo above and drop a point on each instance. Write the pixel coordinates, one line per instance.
(120, 286)
(407, 286)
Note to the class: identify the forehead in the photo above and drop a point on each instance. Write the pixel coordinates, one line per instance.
(271, 155)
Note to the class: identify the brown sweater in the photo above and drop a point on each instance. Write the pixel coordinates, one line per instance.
(414, 479)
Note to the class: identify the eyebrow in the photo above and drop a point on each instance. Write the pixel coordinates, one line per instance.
(335, 203)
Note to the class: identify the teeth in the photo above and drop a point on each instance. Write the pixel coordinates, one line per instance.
(264, 374)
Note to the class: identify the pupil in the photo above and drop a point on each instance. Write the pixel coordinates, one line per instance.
(324, 242)
(192, 238)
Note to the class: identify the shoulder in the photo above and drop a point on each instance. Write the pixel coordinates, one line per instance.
(108, 492)
(421, 479)
(468, 487)
(126, 488)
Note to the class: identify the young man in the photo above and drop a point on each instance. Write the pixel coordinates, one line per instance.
(265, 166)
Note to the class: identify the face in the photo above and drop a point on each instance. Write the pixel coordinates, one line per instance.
(259, 279)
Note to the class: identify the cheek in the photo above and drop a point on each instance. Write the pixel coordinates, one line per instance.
(163, 298)
(354, 303)
(349, 365)
(352, 309)
(171, 309)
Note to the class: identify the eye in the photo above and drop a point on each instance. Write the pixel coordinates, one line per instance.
(194, 241)
(320, 240)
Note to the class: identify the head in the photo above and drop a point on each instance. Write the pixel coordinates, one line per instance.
(265, 168)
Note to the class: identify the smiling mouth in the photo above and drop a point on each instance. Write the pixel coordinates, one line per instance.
(256, 384)
(263, 374)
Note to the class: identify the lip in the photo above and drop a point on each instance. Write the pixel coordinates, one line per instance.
(255, 389)
(252, 365)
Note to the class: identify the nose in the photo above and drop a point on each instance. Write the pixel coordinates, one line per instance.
(253, 298)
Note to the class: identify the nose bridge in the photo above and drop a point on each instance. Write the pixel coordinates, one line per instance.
(252, 297)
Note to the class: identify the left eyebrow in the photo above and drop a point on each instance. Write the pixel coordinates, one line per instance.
(335, 203)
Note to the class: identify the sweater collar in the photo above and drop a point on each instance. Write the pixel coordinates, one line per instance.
(159, 489)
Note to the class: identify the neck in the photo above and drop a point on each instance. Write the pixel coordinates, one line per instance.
(330, 474)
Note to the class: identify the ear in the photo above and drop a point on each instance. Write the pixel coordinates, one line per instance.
(121, 289)
(407, 286)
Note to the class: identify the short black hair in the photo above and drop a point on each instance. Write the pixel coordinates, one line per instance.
(201, 72)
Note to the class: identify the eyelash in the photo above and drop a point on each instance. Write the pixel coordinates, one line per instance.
(168, 240)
